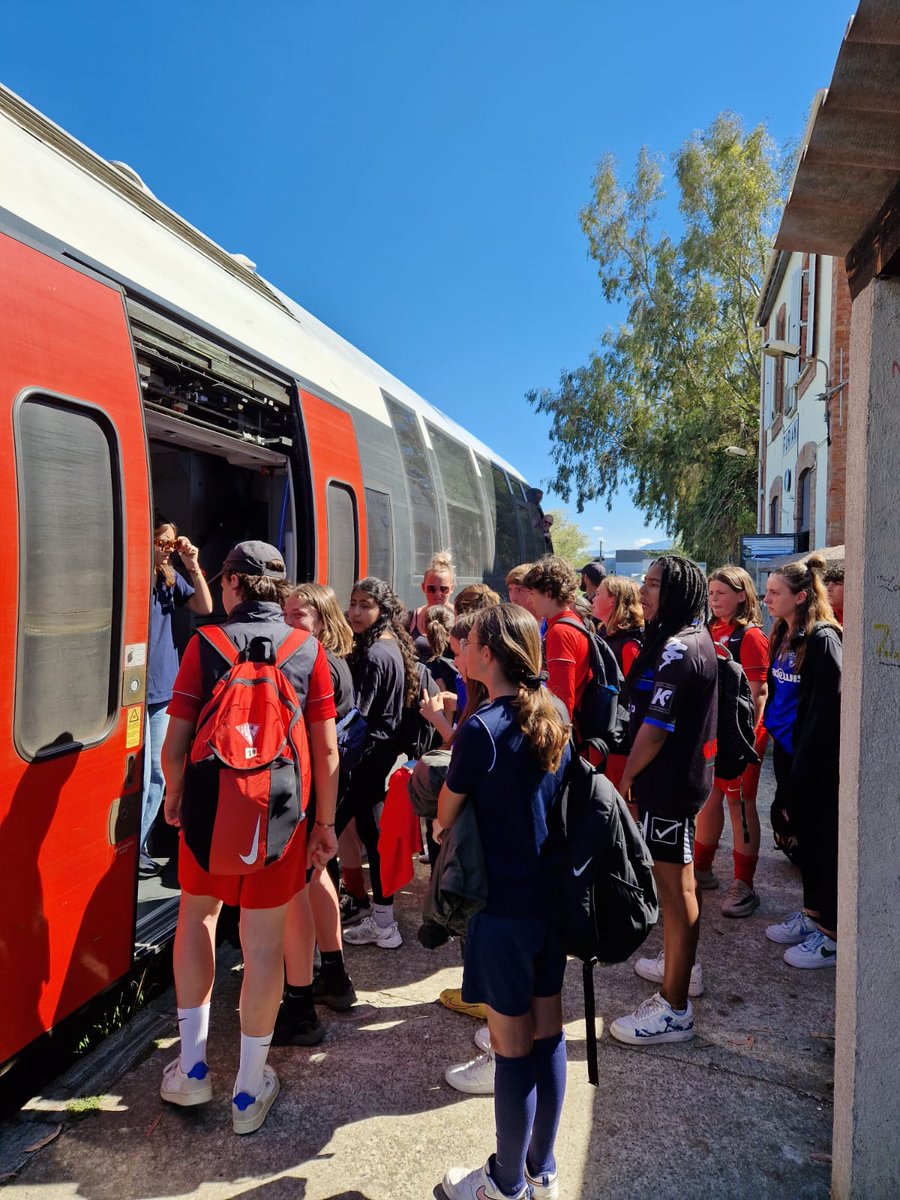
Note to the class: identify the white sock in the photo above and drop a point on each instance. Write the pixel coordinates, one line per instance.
(193, 1028)
(254, 1052)
(384, 915)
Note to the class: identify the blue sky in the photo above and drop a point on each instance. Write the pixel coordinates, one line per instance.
(411, 172)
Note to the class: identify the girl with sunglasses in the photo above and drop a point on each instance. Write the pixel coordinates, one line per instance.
(437, 584)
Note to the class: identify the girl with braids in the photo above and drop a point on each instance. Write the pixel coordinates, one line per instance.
(508, 760)
(671, 691)
(438, 583)
(438, 622)
(616, 607)
(736, 626)
(803, 715)
(383, 666)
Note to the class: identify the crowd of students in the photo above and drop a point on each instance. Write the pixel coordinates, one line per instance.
(506, 681)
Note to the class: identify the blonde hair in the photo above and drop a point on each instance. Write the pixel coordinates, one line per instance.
(336, 634)
(442, 561)
(511, 634)
(475, 597)
(627, 612)
(516, 577)
(815, 609)
(438, 621)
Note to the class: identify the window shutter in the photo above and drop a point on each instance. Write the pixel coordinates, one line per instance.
(810, 348)
(792, 365)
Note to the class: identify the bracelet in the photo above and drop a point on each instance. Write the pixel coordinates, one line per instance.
(196, 574)
(324, 824)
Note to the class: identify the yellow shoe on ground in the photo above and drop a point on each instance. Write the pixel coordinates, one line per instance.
(452, 998)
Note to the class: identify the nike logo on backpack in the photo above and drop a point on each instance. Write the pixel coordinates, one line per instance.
(250, 858)
(576, 871)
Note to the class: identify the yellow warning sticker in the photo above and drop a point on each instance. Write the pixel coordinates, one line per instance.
(133, 727)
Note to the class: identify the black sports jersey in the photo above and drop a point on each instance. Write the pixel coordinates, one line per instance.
(678, 694)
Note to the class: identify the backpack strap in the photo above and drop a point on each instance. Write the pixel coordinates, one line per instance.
(734, 641)
(290, 645)
(215, 636)
(590, 1022)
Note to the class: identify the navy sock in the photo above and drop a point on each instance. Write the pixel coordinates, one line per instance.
(514, 1103)
(550, 1087)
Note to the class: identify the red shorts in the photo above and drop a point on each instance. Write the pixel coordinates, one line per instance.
(749, 781)
(269, 888)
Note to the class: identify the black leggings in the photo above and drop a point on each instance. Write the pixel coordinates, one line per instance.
(364, 801)
(814, 820)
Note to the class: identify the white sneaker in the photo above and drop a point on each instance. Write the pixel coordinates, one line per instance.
(475, 1078)
(483, 1039)
(249, 1112)
(368, 933)
(654, 1021)
(460, 1184)
(543, 1187)
(653, 969)
(793, 929)
(818, 950)
(186, 1090)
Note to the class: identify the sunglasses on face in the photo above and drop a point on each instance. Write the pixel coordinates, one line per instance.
(165, 545)
(433, 587)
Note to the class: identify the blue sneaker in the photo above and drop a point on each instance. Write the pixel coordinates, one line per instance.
(818, 950)
(793, 929)
(655, 1021)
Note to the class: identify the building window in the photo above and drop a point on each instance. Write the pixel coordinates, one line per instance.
(70, 583)
(804, 497)
(774, 516)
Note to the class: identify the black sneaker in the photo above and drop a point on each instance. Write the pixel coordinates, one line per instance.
(337, 994)
(291, 1030)
(354, 909)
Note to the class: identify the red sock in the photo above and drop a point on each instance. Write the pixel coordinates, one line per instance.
(353, 881)
(703, 856)
(745, 867)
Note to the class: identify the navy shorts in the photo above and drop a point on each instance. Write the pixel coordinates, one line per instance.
(669, 839)
(510, 960)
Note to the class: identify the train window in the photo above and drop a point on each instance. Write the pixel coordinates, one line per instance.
(426, 524)
(509, 551)
(381, 535)
(463, 498)
(70, 586)
(343, 540)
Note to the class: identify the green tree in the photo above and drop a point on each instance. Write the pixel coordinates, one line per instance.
(569, 541)
(678, 380)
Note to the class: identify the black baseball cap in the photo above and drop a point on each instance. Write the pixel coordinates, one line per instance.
(595, 571)
(254, 558)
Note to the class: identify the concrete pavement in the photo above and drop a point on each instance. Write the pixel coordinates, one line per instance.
(743, 1111)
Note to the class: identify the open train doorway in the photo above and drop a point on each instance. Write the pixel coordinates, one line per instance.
(225, 466)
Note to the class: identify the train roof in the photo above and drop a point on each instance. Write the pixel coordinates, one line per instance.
(104, 216)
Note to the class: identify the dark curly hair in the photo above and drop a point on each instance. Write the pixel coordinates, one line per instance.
(682, 602)
(553, 577)
(391, 617)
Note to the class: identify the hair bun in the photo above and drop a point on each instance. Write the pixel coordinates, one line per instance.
(816, 563)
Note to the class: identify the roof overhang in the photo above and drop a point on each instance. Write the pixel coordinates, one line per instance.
(846, 184)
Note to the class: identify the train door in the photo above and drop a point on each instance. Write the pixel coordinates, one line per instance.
(74, 593)
(338, 496)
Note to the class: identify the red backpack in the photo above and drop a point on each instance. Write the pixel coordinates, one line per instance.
(247, 778)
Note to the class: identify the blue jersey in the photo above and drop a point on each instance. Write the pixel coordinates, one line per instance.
(493, 765)
(784, 701)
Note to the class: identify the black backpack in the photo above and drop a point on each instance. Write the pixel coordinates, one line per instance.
(600, 717)
(735, 722)
(609, 897)
(415, 736)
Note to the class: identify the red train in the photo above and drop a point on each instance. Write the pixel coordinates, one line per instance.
(144, 368)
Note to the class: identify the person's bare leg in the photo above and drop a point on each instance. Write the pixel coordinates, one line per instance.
(300, 940)
(326, 912)
(262, 940)
(711, 819)
(681, 928)
(194, 952)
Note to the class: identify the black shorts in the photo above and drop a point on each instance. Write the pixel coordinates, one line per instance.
(669, 839)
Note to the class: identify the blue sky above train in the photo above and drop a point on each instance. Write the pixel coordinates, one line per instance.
(412, 173)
